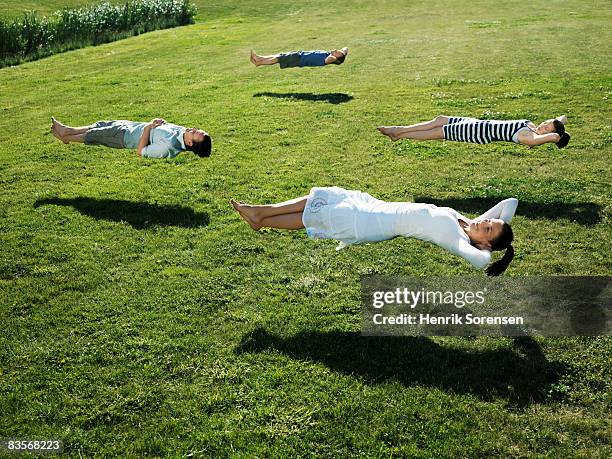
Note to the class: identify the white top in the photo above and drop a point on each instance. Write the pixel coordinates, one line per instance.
(377, 220)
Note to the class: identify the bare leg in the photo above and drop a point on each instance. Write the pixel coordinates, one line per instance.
(263, 60)
(67, 133)
(79, 138)
(432, 134)
(69, 130)
(261, 212)
(285, 221)
(399, 132)
(255, 215)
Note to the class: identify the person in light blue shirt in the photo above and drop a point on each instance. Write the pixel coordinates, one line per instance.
(301, 58)
(156, 139)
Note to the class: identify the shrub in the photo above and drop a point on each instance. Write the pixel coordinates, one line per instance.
(32, 37)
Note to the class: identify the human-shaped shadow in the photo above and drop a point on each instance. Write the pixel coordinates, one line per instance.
(585, 301)
(522, 375)
(331, 97)
(584, 213)
(140, 215)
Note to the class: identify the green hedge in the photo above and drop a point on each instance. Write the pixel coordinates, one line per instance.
(32, 37)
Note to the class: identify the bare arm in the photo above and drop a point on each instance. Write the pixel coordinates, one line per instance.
(475, 256)
(144, 138)
(330, 59)
(503, 210)
(532, 139)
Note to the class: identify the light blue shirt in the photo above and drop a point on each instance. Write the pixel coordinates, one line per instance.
(165, 141)
(313, 58)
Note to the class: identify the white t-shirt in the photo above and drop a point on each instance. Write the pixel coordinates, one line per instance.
(377, 220)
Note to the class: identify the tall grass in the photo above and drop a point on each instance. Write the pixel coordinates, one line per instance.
(33, 37)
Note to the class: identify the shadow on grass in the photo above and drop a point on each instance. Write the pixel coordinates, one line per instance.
(139, 215)
(584, 213)
(521, 375)
(331, 97)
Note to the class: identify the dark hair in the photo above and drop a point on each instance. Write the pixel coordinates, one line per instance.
(503, 241)
(564, 140)
(203, 148)
(564, 136)
(340, 60)
(559, 127)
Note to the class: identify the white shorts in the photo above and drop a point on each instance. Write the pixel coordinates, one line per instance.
(331, 213)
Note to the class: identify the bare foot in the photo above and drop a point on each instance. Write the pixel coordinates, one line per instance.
(243, 211)
(58, 130)
(59, 127)
(389, 131)
(250, 213)
(254, 58)
(56, 135)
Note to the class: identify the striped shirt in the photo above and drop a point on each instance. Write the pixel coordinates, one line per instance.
(472, 130)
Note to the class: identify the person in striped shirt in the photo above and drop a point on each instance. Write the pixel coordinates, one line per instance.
(462, 129)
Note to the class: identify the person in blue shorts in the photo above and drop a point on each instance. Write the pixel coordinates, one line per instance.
(301, 58)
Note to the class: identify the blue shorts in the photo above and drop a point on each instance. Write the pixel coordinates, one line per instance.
(289, 59)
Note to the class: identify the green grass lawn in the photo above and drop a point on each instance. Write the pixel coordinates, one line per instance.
(141, 316)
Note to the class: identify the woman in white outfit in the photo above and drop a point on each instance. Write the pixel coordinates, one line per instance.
(354, 217)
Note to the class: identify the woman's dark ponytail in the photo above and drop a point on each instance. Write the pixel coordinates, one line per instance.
(564, 137)
(504, 241)
(564, 140)
(498, 267)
